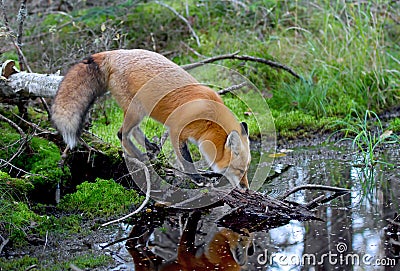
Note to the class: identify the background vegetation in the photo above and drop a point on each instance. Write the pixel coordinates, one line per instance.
(346, 51)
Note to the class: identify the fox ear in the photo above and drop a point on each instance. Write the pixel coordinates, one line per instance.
(245, 128)
(233, 142)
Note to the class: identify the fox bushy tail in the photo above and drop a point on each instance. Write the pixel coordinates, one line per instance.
(83, 83)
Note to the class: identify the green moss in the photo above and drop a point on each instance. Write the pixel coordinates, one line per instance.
(395, 125)
(43, 162)
(18, 221)
(18, 264)
(86, 262)
(100, 199)
(40, 158)
(13, 188)
(295, 123)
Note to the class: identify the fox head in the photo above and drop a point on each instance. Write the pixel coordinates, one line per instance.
(236, 157)
(238, 246)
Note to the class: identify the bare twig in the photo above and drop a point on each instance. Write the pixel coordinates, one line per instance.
(32, 267)
(21, 55)
(18, 43)
(20, 19)
(322, 199)
(3, 243)
(16, 154)
(315, 187)
(232, 88)
(141, 166)
(183, 19)
(17, 168)
(24, 140)
(35, 126)
(192, 50)
(116, 242)
(393, 222)
(14, 125)
(209, 60)
(163, 139)
(235, 55)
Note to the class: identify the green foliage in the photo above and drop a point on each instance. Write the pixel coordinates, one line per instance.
(395, 125)
(40, 158)
(18, 221)
(367, 135)
(296, 123)
(100, 199)
(43, 161)
(13, 188)
(87, 262)
(15, 216)
(18, 264)
(347, 52)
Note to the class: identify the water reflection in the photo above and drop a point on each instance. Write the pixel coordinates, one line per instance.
(353, 236)
(199, 247)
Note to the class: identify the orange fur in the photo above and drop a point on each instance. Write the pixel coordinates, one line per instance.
(227, 250)
(218, 254)
(146, 83)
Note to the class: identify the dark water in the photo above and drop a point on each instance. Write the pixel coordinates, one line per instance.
(354, 234)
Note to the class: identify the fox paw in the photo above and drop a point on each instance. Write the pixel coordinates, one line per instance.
(152, 147)
(199, 180)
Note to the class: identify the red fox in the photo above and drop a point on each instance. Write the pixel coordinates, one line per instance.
(146, 83)
(227, 250)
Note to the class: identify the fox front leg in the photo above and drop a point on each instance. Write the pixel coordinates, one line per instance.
(188, 165)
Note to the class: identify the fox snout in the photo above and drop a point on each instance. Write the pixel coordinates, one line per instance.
(238, 150)
(244, 182)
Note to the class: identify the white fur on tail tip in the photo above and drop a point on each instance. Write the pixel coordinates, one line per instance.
(69, 138)
(68, 130)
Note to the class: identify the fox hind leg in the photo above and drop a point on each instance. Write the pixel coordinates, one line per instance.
(131, 128)
(139, 136)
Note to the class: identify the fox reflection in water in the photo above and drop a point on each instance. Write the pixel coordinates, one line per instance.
(227, 251)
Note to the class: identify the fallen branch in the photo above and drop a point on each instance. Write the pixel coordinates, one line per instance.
(315, 187)
(235, 55)
(250, 211)
(29, 85)
(232, 88)
(138, 166)
(4, 242)
(13, 125)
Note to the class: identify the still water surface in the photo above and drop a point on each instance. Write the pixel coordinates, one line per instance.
(353, 235)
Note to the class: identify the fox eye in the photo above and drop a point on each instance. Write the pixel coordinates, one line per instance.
(241, 171)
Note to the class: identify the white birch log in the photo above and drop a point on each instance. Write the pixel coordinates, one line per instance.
(33, 85)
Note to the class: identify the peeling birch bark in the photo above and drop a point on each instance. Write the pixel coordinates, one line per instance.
(30, 85)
